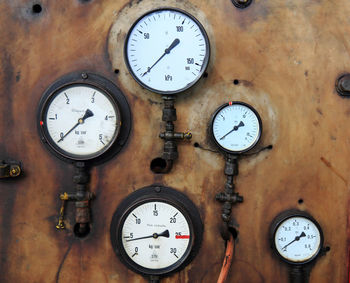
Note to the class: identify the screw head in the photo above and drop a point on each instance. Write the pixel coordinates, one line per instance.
(84, 76)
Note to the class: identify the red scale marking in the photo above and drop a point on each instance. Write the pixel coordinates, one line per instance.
(182, 237)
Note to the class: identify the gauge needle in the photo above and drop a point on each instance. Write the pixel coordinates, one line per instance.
(154, 235)
(297, 238)
(235, 128)
(88, 113)
(166, 51)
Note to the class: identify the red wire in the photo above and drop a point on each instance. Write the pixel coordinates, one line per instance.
(230, 247)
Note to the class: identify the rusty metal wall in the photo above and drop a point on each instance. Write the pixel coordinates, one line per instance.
(286, 56)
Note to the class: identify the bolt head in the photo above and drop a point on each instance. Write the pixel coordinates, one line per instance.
(84, 76)
(15, 171)
(344, 83)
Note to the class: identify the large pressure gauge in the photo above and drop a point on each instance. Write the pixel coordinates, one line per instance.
(167, 50)
(236, 127)
(82, 115)
(156, 231)
(296, 237)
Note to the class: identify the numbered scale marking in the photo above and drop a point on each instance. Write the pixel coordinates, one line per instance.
(236, 127)
(167, 50)
(156, 235)
(297, 237)
(156, 230)
(81, 119)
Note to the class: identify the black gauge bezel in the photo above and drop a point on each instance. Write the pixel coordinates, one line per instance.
(282, 217)
(231, 103)
(165, 195)
(205, 61)
(111, 91)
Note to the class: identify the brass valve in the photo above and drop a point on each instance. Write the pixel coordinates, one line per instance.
(60, 224)
(81, 201)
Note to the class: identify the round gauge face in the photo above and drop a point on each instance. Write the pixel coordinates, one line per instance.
(236, 127)
(80, 121)
(156, 230)
(156, 235)
(297, 239)
(167, 51)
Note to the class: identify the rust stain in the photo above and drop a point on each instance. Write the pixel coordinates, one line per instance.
(151, 102)
(329, 165)
(347, 112)
(263, 30)
(253, 268)
(62, 261)
(246, 83)
(319, 111)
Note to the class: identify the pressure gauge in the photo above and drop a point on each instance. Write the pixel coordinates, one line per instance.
(167, 50)
(236, 127)
(81, 116)
(296, 237)
(156, 231)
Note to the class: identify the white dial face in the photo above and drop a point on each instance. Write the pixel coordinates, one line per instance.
(156, 235)
(297, 239)
(81, 121)
(236, 128)
(167, 51)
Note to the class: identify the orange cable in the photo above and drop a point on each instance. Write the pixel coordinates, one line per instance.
(230, 247)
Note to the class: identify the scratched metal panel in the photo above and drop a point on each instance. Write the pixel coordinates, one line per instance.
(286, 56)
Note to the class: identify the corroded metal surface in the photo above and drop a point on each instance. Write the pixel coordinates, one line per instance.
(281, 57)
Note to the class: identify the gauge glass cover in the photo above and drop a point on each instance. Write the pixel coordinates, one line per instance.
(150, 220)
(81, 121)
(236, 127)
(167, 51)
(156, 230)
(297, 239)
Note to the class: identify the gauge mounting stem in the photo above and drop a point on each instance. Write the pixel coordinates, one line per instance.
(170, 137)
(228, 197)
(81, 198)
(154, 279)
(299, 274)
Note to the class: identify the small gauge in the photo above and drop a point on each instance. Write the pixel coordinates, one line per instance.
(167, 51)
(236, 127)
(81, 115)
(156, 231)
(296, 237)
